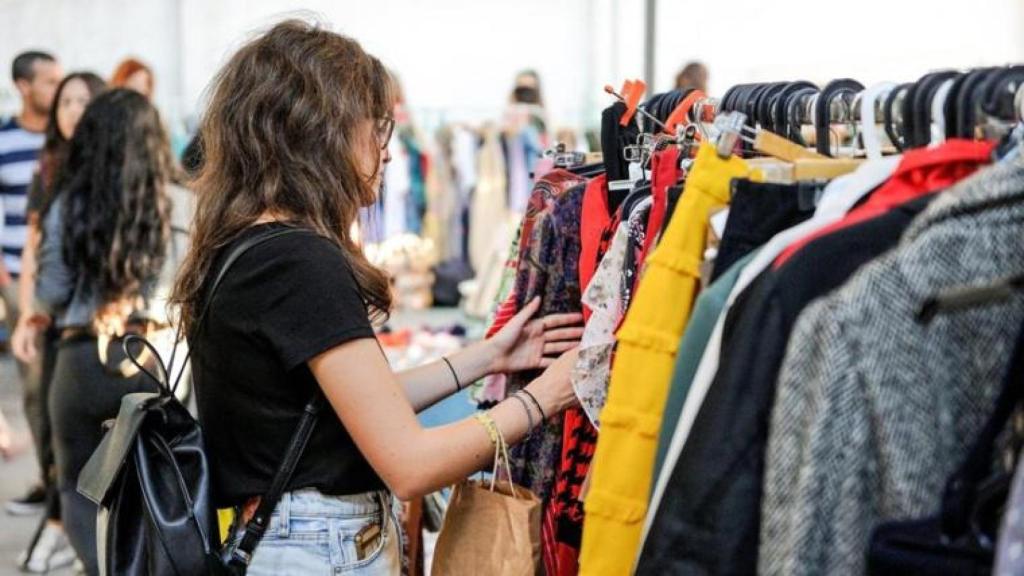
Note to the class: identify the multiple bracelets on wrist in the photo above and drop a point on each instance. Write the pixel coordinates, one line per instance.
(526, 407)
(492, 429)
(533, 399)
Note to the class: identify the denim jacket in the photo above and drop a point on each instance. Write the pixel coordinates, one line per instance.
(72, 301)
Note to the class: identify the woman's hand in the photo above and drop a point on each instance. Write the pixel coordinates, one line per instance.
(26, 333)
(524, 344)
(553, 389)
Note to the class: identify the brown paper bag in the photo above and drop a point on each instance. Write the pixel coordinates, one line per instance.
(490, 528)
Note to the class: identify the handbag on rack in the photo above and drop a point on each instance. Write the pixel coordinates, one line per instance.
(150, 475)
(490, 527)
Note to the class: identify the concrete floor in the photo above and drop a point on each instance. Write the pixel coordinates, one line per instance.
(17, 474)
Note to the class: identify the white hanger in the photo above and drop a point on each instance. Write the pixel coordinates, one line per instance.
(868, 122)
(938, 126)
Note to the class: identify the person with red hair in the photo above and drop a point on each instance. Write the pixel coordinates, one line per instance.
(134, 74)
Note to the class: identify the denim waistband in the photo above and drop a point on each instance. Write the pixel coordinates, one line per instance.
(310, 502)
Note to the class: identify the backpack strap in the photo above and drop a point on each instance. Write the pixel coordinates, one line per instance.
(233, 257)
(257, 525)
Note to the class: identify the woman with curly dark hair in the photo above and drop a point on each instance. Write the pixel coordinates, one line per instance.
(296, 136)
(49, 549)
(104, 266)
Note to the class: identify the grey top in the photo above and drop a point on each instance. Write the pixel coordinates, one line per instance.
(875, 410)
(72, 302)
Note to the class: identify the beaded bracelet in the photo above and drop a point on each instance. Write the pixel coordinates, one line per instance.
(492, 428)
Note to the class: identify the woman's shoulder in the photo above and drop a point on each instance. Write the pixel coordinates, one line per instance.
(300, 251)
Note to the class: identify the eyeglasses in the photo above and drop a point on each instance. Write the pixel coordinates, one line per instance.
(385, 128)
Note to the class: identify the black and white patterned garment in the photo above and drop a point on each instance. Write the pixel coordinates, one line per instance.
(874, 410)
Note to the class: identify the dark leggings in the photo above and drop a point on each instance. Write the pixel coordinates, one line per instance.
(49, 353)
(83, 395)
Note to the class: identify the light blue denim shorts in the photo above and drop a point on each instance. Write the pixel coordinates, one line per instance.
(310, 533)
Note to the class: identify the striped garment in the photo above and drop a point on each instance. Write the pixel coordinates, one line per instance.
(19, 157)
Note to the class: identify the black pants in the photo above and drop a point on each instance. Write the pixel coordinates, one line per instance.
(83, 395)
(46, 458)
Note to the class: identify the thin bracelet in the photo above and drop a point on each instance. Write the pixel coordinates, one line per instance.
(543, 416)
(488, 423)
(458, 386)
(529, 414)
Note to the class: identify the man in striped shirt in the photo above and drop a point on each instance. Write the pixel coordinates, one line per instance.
(36, 76)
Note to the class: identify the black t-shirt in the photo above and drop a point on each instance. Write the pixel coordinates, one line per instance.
(282, 303)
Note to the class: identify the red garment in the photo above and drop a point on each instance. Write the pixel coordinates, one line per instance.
(595, 213)
(546, 190)
(562, 527)
(666, 173)
(921, 171)
(506, 310)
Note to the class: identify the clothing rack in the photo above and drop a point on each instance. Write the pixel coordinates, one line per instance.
(682, 170)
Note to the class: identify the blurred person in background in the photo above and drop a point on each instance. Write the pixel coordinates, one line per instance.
(523, 138)
(693, 75)
(105, 262)
(49, 548)
(135, 75)
(527, 103)
(36, 76)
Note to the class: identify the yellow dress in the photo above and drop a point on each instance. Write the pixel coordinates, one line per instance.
(623, 464)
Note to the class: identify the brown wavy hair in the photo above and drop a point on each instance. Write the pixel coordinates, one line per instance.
(283, 134)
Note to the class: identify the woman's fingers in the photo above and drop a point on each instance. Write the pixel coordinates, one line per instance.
(559, 320)
(573, 334)
(559, 347)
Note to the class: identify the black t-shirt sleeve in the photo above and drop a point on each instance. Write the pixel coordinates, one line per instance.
(312, 300)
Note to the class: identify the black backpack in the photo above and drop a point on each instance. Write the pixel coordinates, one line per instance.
(150, 476)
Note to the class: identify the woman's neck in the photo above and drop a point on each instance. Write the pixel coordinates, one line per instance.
(269, 216)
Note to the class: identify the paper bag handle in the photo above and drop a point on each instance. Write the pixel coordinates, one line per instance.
(501, 454)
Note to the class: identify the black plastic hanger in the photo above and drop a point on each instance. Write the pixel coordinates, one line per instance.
(921, 107)
(763, 108)
(779, 101)
(822, 107)
(893, 103)
(793, 104)
(750, 101)
(967, 101)
(999, 91)
(950, 109)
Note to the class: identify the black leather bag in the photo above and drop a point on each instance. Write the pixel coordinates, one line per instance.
(150, 477)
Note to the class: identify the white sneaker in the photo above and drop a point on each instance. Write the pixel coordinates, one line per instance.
(52, 551)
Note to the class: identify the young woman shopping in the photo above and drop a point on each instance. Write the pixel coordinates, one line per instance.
(106, 257)
(296, 135)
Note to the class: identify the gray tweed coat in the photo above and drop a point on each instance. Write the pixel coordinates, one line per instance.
(874, 409)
